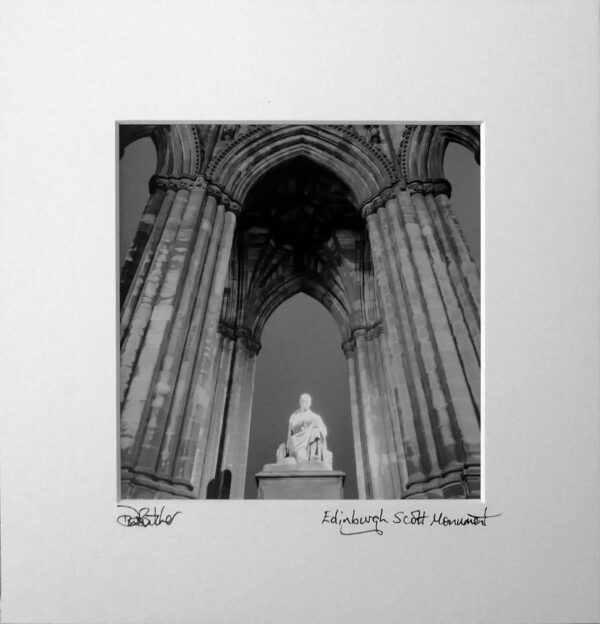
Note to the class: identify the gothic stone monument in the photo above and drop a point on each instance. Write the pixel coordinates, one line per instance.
(242, 217)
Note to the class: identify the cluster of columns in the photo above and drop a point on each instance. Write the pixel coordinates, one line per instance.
(223, 473)
(375, 430)
(428, 286)
(169, 340)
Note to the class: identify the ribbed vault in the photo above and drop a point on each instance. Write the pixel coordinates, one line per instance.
(299, 231)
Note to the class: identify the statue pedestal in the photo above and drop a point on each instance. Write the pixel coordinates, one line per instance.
(306, 480)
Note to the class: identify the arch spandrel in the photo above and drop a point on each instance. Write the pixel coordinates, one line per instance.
(364, 171)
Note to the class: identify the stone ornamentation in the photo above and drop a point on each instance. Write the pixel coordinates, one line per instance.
(374, 134)
(229, 132)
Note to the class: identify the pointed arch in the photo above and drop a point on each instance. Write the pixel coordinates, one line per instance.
(365, 173)
(333, 300)
(425, 146)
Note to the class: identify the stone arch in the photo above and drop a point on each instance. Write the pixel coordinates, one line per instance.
(300, 327)
(335, 303)
(325, 281)
(129, 133)
(179, 147)
(263, 275)
(423, 149)
(362, 170)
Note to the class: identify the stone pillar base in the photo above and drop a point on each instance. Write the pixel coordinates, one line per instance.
(289, 481)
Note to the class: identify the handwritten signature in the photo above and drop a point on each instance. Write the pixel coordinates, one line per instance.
(143, 517)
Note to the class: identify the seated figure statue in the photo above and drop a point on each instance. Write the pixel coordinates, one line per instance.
(307, 438)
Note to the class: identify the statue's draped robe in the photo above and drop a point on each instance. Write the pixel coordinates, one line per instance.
(307, 436)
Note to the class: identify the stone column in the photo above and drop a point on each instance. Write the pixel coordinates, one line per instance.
(372, 421)
(402, 373)
(456, 240)
(391, 412)
(422, 311)
(193, 340)
(149, 328)
(209, 478)
(176, 346)
(193, 435)
(447, 231)
(236, 431)
(467, 350)
(454, 402)
(364, 407)
(389, 464)
(132, 288)
(349, 348)
(172, 370)
(144, 230)
(425, 324)
(434, 421)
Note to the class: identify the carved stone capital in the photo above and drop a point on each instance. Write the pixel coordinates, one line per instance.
(387, 194)
(200, 181)
(166, 183)
(375, 331)
(348, 347)
(212, 190)
(253, 346)
(245, 338)
(368, 209)
(427, 187)
(227, 331)
(181, 184)
(233, 207)
(415, 186)
(442, 187)
(372, 207)
(359, 332)
(157, 183)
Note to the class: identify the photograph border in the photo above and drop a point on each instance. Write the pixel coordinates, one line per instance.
(530, 72)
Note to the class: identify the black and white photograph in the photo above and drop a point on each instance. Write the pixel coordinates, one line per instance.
(300, 314)
(265, 266)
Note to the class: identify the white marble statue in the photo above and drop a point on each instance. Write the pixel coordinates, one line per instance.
(307, 437)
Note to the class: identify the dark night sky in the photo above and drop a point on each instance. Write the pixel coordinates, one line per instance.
(301, 344)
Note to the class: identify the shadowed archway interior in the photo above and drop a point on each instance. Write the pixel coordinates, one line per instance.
(298, 232)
